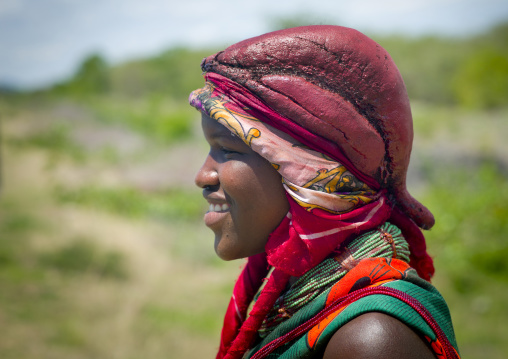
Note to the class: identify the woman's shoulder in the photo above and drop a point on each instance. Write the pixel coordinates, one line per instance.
(376, 335)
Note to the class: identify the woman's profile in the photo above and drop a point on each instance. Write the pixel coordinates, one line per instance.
(310, 135)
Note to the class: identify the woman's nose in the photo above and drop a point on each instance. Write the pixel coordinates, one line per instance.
(207, 175)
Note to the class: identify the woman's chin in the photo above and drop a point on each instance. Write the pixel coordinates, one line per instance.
(228, 253)
(226, 256)
(223, 251)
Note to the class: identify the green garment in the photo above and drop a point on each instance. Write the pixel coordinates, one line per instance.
(313, 346)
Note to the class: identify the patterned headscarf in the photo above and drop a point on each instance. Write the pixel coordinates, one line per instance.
(313, 179)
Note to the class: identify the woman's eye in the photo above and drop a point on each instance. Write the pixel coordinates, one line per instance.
(228, 151)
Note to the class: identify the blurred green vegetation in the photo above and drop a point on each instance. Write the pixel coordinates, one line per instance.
(54, 137)
(92, 77)
(81, 256)
(168, 205)
(168, 74)
(469, 72)
(62, 288)
(32, 283)
(471, 229)
(160, 117)
(470, 249)
(488, 70)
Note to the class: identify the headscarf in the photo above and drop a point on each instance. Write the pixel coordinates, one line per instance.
(342, 153)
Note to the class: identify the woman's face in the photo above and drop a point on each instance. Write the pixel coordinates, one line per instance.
(245, 194)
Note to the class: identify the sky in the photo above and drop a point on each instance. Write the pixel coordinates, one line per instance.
(44, 41)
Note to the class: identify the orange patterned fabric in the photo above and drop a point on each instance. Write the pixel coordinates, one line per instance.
(367, 273)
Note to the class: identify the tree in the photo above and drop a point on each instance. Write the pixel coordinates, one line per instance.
(92, 76)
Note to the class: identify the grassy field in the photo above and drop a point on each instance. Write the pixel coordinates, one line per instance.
(103, 253)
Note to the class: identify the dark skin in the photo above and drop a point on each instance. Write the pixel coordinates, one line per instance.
(249, 188)
(377, 336)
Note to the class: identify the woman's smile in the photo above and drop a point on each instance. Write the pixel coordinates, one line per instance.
(216, 214)
(218, 207)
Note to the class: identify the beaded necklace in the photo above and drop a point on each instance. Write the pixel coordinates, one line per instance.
(385, 241)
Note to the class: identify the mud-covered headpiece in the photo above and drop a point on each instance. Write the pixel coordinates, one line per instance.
(338, 84)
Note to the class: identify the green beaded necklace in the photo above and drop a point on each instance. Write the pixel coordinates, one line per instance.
(385, 241)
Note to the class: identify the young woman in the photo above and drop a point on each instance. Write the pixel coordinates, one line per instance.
(310, 134)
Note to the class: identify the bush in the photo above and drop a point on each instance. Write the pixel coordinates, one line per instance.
(155, 116)
(470, 206)
(171, 204)
(481, 81)
(82, 257)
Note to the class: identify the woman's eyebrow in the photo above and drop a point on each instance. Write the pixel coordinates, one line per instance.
(229, 136)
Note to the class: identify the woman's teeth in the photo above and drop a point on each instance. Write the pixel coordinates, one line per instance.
(218, 207)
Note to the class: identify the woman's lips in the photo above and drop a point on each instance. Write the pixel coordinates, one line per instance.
(216, 213)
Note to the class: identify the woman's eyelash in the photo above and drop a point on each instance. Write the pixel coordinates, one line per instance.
(227, 150)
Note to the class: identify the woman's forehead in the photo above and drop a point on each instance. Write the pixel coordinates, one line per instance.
(212, 129)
